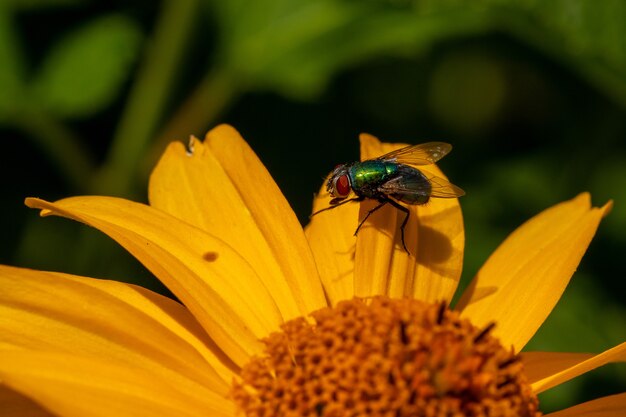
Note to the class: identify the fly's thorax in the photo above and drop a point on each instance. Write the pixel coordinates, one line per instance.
(367, 176)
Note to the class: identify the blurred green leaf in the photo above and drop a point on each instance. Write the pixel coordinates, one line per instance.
(85, 70)
(589, 34)
(295, 46)
(11, 66)
(528, 181)
(468, 91)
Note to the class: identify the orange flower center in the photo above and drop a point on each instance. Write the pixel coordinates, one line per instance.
(384, 357)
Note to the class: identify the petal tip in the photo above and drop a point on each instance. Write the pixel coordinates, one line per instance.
(222, 130)
(606, 208)
(32, 202)
(39, 204)
(367, 139)
(176, 146)
(583, 199)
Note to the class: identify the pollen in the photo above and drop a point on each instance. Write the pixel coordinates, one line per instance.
(384, 357)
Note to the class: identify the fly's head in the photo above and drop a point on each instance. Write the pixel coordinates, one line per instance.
(338, 185)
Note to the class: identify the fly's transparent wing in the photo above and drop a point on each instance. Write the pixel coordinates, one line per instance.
(444, 189)
(420, 185)
(404, 185)
(422, 154)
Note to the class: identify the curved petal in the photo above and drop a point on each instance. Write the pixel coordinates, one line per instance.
(208, 276)
(615, 354)
(524, 278)
(331, 237)
(72, 386)
(434, 235)
(12, 403)
(108, 320)
(272, 213)
(611, 406)
(193, 186)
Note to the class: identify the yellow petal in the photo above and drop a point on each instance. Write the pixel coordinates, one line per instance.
(272, 213)
(71, 385)
(331, 237)
(194, 187)
(13, 403)
(108, 320)
(208, 276)
(611, 406)
(524, 278)
(434, 235)
(539, 365)
(616, 354)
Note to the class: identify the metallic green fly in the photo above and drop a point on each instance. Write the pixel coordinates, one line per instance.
(392, 179)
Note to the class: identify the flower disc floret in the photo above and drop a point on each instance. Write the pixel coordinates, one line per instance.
(384, 357)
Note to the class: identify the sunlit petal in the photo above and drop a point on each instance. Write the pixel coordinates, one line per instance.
(524, 278)
(611, 406)
(221, 290)
(331, 237)
(71, 385)
(272, 213)
(220, 234)
(193, 186)
(616, 354)
(434, 235)
(108, 320)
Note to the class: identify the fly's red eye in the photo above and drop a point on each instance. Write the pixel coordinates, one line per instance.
(342, 186)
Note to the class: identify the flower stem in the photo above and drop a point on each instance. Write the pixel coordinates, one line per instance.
(215, 92)
(147, 97)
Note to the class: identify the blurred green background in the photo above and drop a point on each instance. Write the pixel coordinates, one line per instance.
(531, 93)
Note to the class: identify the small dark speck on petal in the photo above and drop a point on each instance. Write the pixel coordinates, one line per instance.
(210, 256)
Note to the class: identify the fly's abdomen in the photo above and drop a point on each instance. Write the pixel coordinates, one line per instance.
(365, 177)
(410, 186)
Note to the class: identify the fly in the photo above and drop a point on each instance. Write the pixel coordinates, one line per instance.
(392, 179)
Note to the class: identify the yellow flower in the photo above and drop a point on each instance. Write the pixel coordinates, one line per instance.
(221, 236)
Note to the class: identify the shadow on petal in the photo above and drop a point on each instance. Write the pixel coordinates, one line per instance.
(436, 249)
(15, 404)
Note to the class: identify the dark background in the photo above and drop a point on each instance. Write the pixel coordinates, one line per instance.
(531, 94)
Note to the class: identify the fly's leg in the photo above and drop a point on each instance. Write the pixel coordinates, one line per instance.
(337, 205)
(406, 219)
(382, 203)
